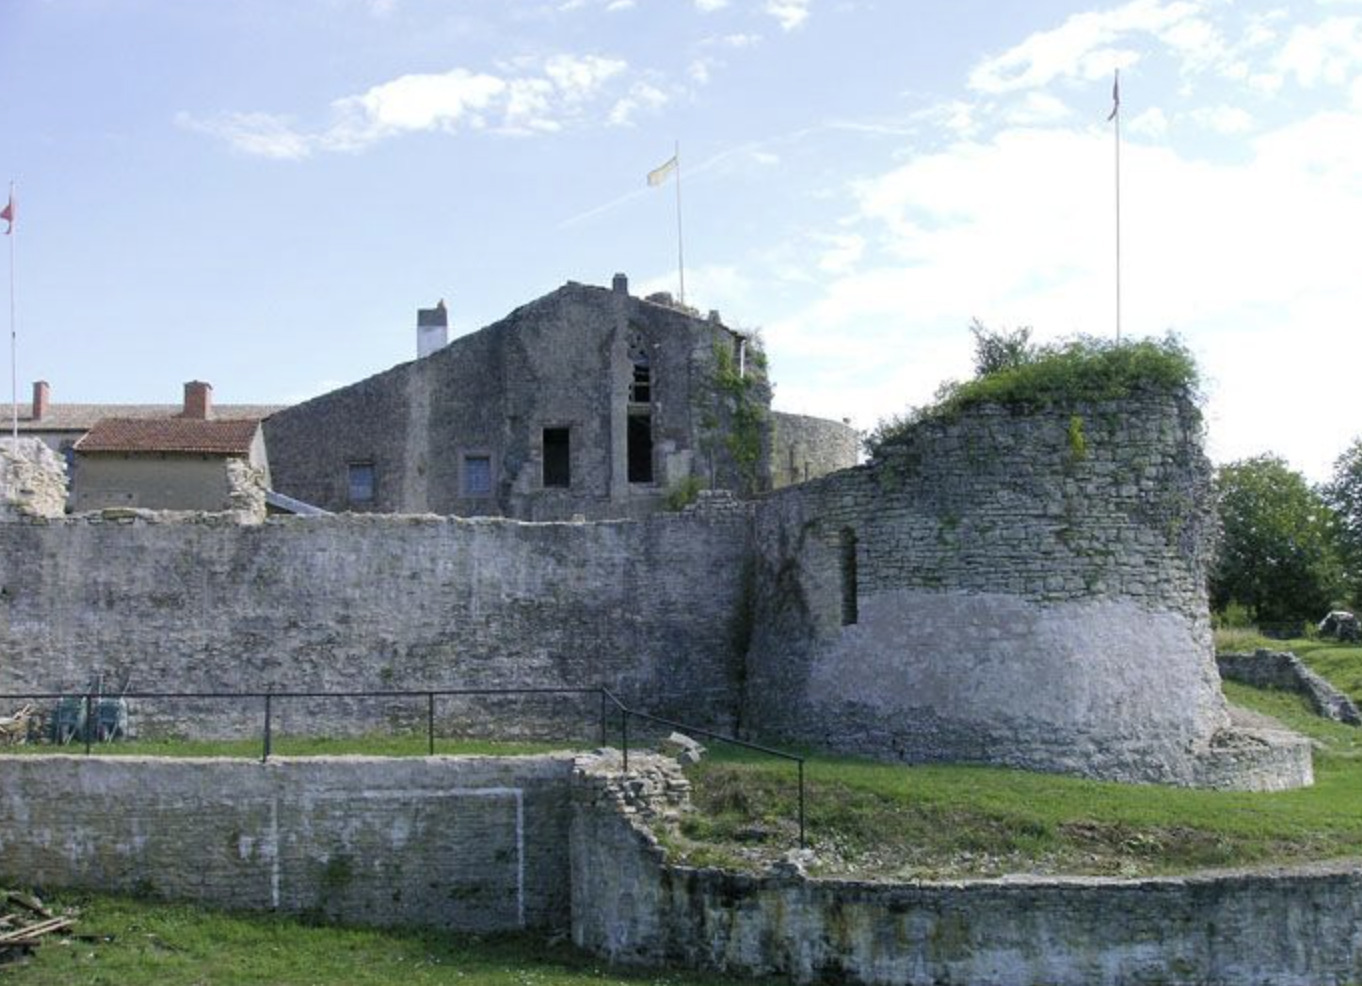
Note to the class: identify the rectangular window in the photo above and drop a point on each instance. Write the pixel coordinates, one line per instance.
(557, 457)
(640, 440)
(361, 482)
(477, 475)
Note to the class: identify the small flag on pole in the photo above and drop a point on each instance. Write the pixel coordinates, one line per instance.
(660, 174)
(1115, 96)
(7, 214)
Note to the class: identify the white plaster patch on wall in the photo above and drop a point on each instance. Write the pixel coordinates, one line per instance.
(1110, 666)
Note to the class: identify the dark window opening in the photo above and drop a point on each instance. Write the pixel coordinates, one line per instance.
(641, 386)
(557, 457)
(640, 448)
(477, 475)
(361, 482)
(849, 587)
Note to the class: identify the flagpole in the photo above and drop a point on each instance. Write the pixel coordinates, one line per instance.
(1116, 115)
(680, 251)
(13, 330)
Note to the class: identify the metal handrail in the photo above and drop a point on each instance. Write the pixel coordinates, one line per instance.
(269, 695)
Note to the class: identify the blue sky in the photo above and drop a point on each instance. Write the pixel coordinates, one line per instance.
(261, 193)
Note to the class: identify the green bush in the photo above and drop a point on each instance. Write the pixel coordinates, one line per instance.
(1080, 370)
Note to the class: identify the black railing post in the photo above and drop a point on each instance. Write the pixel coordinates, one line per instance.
(430, 721)
(89, 720)
(801, 803)
(605, 728)
(624, 736)
(269, 696)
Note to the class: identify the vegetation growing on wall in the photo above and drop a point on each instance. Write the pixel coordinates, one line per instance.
(1013, 373)
(738, 400)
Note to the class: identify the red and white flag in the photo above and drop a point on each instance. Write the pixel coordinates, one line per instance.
(7, 214)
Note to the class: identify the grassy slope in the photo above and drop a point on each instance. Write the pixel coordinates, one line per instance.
(135, 942)
(950, 821)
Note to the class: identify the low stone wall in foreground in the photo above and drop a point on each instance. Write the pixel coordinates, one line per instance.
(1298, 928)
(473, 844)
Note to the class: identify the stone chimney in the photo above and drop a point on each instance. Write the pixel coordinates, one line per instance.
(198, 400)
(620, 285)
(41, 393)
(432, 329)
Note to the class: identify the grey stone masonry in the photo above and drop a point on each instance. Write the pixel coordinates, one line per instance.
(191, 603)
(468, 844)
(804, 448)
(32, 480)
(1014, 588)
(587, 401)
(630, 905)
(1286, 672)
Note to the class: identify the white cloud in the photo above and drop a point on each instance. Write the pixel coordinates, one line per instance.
(642, 97)
(709, 6)
(1329, 52)
(416, 102)
(1225, 120)
(736, 41)
(1151, 123)
(257, 134)
(1038, 108)
(1085, 46)
(843, 251)
(789, 14)
(546, 97)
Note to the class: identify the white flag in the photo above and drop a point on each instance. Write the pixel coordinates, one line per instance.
(659, 174)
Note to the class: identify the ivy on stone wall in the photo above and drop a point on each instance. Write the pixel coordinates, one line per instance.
(738, 415)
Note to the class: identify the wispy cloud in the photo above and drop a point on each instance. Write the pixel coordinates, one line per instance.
(789, 14)
(557, 91)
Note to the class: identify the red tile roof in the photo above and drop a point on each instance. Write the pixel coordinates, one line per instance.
(170, 435)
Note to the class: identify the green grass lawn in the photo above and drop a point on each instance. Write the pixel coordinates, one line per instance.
(121, 942)
(935, 822)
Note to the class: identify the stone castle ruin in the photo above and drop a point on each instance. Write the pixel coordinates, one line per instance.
(986, 591)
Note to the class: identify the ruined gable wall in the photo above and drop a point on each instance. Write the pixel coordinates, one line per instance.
(1005, 588)
(375, 602)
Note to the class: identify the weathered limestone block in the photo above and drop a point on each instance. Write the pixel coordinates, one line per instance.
(32, 480)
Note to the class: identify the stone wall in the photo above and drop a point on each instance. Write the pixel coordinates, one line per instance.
(32, 480)
(563, 362)
(1010, 588)
(1286, 672)
(1299, 928)
(469, 844)
(804, 448)
(185, 603)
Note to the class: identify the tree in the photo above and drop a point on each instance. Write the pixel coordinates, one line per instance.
(1278, 555)
(1343, 493)
(999, 349)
